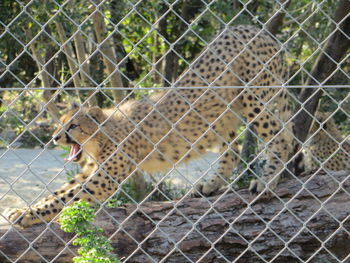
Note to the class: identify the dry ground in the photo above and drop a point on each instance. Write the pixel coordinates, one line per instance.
(27, 175)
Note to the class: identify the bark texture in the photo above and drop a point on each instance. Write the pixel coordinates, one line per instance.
(109, 57)
(45, 78)
(298, 223)
(276, 20)
(84, 72)
(68, 50)
(189, 11)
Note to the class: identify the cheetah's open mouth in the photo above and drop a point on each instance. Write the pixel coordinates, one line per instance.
(75, 153)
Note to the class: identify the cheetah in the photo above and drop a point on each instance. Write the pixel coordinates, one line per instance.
(180, 124)
(326, 147)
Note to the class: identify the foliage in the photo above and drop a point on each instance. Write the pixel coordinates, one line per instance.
(95, 248)
(126, 194)
(23, 117)
(164, 190)
(138, 25)
(143, 32)
(156, 190)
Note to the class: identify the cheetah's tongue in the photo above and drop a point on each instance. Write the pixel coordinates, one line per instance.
(74, 149)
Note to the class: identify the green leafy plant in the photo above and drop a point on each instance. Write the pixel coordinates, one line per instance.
(94, 248)
(128, 193)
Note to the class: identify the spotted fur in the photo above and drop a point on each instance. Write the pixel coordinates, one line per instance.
(326, 147)
(178, 125)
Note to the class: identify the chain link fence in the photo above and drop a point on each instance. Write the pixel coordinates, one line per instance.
(193, 158)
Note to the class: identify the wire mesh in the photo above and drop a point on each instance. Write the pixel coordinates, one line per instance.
(179, 108)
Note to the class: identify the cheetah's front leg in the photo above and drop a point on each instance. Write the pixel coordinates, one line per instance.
(94, 189)
(280, 144)
(228, 161)
(46, 209)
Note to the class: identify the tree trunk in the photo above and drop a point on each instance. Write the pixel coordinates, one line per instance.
(309, 222)
(326, 63)
(84, 72)
(108, 55)
(189, 10)
(118, 9)
(276, 20)
(70, 55)
(169, 60)
(45, 78)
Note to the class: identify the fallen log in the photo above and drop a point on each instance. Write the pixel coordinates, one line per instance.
(307, 219)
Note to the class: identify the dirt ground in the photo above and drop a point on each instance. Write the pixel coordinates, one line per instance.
(27, 175)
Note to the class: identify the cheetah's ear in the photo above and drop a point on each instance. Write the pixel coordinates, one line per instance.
(97, 114)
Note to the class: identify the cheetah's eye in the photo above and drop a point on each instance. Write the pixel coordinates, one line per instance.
(72, 126)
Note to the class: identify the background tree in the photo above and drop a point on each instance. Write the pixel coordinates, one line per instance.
(69, 44)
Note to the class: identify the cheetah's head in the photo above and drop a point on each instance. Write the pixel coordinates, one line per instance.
(80, 130)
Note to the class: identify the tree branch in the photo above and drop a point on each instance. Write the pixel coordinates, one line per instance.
(291, 227)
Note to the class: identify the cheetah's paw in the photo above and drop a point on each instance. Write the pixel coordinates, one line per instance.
(205, 189)
(21, 217)
(258, 186)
